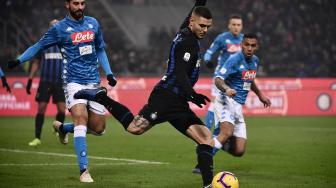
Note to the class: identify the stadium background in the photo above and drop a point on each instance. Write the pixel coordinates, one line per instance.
(298, 72)
(296, 40)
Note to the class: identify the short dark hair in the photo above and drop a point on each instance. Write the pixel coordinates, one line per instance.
(203, 12)
(235, 16)
(250, 36)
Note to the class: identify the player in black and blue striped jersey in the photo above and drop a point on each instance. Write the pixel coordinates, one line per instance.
(50, 63)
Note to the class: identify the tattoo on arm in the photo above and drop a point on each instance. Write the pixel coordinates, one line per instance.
(220, 84)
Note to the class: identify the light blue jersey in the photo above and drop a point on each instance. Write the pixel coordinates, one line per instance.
(1, 73)
(227, 44)
(238, 73)
(81, 43)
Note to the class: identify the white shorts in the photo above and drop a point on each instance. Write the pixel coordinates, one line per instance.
(214, 90)
(230, 111)
(70, 90)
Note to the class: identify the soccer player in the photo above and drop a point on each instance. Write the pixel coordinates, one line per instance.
(168, 101)
(82, 46)
(234, 79)
(51, 67)
(4, 81)
(226, 43)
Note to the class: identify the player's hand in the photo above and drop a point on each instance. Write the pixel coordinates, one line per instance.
(266, 101)
(13, 63)
(28, 86)
(231, 92)
(199, 99)
(112, 81)
(210, 64)
(5, 84)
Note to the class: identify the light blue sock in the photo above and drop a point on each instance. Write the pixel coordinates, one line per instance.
(67, 128)
(209, 119)
(80, 147)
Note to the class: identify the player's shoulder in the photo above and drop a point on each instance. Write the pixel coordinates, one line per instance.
(187, 37)
(255, 58)
(224, 34)
(91, 20)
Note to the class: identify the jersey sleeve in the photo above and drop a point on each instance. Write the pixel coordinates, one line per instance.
(228, 68)
(183, 53)
(186, 20)
(215, 46)
(50, 38)
(99, 40)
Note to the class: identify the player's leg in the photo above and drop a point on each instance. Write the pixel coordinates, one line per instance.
(60, 129)
(39, 120)
(237, 143)
(97, 120)
(210, 116)
(79, 113)
(42, 98)
(80, 118)
(118, 110)
(202, 136)
(194, 128)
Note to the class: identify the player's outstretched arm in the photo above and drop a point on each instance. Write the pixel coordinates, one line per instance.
(102, 59)
(266, 101)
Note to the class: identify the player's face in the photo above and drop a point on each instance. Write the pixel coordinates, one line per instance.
(76, 8)
(235, 26)
(249, 47)
(200, 26)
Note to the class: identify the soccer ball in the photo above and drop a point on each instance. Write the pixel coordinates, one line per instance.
(225, 180)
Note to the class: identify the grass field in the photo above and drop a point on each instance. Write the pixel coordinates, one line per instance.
(291, 152)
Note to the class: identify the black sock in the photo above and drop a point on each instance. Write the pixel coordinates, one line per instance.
(205, 162)
(60, 116)
(118, 110)
(39, 120)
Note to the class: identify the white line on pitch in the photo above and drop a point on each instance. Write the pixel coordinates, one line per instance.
(66, 164)
(90, 157)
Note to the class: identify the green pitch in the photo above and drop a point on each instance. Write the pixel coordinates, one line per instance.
(293, 152)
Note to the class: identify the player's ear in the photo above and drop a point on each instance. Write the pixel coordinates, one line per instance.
(191, 21)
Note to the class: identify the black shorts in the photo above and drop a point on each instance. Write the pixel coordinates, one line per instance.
(164, 105)
(48, 89)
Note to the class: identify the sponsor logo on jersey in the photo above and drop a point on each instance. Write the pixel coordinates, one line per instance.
(249, 74)
(84, 36)
(233, 48)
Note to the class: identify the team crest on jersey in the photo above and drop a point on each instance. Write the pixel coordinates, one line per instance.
(90, 26)
(242, 67)
(186, 56)
(228, 41)
(249, 74)
(84, 36)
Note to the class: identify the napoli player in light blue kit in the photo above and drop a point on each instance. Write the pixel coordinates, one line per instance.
(82, 46)
(4, 81)
(226, 43)
(234, 79)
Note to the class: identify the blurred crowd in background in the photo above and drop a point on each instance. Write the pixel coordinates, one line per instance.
(296, 37)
